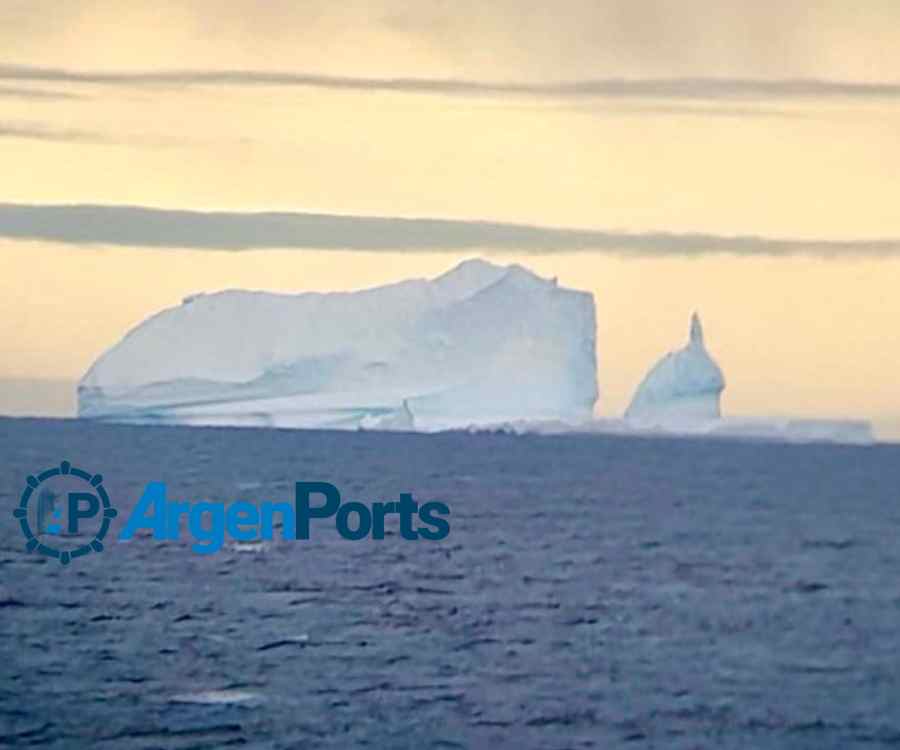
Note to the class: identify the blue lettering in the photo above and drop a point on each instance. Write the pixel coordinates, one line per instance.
(153, 499)
(242, 514)
(305, 512)
(214, 536)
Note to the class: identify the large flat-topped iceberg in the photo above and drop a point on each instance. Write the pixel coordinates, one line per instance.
(480, 344)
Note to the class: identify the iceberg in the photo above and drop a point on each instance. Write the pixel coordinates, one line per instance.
(793, 430)
(479, 344)
(756, 429)
(684, 387)
(395, 420)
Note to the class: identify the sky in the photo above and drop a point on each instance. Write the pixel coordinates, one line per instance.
(740, 159)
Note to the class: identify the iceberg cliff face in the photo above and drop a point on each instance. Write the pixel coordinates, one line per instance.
(684, 387)
(479, 344)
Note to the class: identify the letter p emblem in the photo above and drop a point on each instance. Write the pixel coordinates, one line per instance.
(81, 505)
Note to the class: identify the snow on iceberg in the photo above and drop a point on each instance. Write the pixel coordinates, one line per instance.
(480, 344)
(684, 387)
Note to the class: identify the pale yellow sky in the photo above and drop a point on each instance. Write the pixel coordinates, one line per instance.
(795, 335)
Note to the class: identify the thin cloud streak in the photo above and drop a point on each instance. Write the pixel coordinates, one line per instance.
(35, 132)
(135, 226)
(40, 132)
(15, 92)
(614, 88)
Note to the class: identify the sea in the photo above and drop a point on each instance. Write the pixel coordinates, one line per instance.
(593, 592)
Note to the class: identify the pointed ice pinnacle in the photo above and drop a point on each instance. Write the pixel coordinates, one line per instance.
(684, 387)
(398, 420)
(696, 330)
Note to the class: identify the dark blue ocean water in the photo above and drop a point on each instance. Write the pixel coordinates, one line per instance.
(594, 592)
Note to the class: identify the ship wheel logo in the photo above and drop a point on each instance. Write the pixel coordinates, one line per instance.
(74, 529)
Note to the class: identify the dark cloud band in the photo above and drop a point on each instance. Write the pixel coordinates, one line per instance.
(614, 88)
(133, 226)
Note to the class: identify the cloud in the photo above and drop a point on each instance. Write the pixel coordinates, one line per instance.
(711, 89)
(135, 226)
(13, 92)
(37, 132)
(494, 39)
